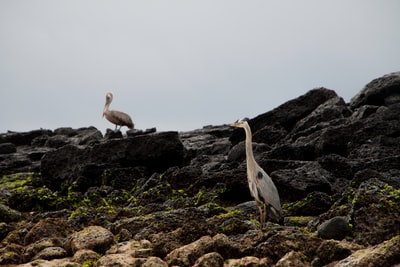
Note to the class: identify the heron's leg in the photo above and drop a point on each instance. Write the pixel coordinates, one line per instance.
(262, 215)
(265, 214)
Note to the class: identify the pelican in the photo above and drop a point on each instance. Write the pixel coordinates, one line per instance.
(116, 117)
(261, 186)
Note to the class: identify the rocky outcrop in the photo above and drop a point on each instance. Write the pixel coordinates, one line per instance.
(81, 167)
(73, 197)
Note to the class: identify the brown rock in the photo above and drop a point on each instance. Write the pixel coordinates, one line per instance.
(85, 255)
(187, 255)
(51, 253)
(52, 228)
(248, 261)
(95, 238)
(210, 259)
(384, 254)
(121, 260)
(293, 259)
(154, 262)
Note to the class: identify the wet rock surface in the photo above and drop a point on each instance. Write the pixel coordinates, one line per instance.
(73, 197)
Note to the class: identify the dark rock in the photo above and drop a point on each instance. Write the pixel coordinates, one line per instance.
(335, 228)
(337, 165)
(52, 228)
(24, 138)
(56, 141)
(67, 131)
(313, 204)
(40, 140)
(71, 164)
(270, 134)
(381, 91)
(295, 151)
(134, 132)
(363, 112)
(289, 113)
(86, 136)
(7, 148)
(297, 183)
(376, 212)
(208, 141)
(112, 134)
(331, 251)
(332, 109)
(8, 215)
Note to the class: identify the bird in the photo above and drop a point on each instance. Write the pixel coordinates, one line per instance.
(262, 188)
(116, 117)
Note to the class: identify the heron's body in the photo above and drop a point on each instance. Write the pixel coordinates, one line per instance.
(116, 117)
(261, 186)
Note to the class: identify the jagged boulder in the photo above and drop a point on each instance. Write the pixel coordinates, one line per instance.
(289, 113)
(83, 167)
(383, 91)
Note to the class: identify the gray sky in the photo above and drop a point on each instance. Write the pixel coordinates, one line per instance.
(180, 65)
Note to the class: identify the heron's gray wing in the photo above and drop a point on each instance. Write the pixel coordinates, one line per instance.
(267, 190)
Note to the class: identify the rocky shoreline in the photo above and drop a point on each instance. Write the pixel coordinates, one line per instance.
(73, 197)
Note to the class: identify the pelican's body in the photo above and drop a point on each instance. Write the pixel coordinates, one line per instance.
(261, 186)
(116, 117)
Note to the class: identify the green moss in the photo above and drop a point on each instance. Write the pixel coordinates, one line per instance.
(17, 181)
(197, 198)
(229, 214)
(89, 263)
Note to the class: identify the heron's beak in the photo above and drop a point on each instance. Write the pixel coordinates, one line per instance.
(235, 124)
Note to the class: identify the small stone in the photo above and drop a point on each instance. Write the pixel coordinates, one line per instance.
(155, 262)
(51, 253)
(85, 255)
(293, 259)
(95, 238)
(210, 259)
(335, 228)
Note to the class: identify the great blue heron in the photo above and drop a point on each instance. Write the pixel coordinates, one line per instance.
(119, 118)
(261, 186)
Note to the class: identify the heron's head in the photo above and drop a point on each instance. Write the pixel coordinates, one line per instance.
(240, 123)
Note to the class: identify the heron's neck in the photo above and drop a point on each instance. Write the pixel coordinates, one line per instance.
(249, 147)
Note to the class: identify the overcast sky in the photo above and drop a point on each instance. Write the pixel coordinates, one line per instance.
(180, 65)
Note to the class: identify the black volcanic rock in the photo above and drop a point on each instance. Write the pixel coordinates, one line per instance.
(7, 148)
(83, 166)
(383, 91)
(24, 138)
(289, 113)
(335, 228)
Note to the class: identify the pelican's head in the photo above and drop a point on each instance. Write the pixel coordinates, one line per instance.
(240, 123)
(109, 97)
